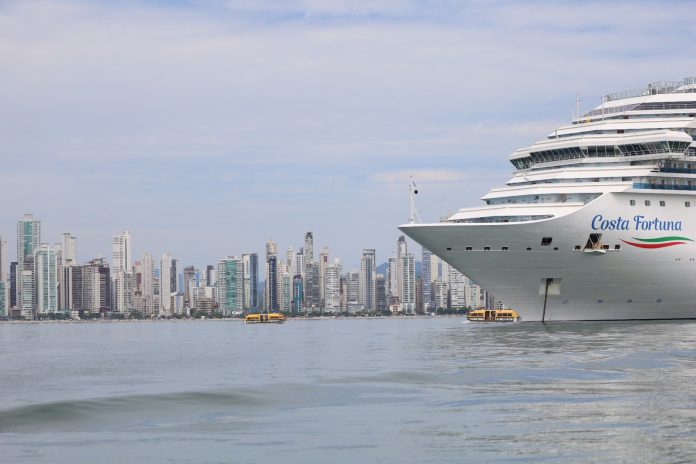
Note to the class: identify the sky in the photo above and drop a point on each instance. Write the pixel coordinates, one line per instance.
(206, 128)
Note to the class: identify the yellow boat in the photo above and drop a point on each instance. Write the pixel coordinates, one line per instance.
(265, 318)
(493, 315)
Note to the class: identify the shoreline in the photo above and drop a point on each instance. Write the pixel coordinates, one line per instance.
(312, 318)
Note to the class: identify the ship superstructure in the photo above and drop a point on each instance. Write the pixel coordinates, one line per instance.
(596, 222)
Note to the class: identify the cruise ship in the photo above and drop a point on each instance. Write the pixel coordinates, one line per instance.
(598, 221)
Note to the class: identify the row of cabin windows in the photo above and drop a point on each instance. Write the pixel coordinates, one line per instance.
(577, 247)
(687, 204)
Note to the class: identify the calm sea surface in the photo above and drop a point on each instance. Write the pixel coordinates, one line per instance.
(348, 391)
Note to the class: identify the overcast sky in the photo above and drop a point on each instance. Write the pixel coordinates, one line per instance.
(207, 127)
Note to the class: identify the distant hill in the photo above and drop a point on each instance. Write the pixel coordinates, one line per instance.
(382, 269)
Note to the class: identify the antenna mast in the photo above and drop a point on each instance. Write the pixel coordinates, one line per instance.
(413, 191)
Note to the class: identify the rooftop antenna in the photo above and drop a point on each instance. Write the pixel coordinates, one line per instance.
(577, 106)
(413, 191)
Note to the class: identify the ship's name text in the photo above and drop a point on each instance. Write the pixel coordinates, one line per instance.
(639, 222)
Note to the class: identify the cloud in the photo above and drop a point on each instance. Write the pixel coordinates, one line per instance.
(238, 120)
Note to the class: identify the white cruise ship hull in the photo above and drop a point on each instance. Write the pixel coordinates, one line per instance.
(630, 283)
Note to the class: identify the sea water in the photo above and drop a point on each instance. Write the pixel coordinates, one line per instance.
(394, 390)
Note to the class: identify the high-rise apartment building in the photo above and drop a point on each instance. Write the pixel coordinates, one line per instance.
(4, 305)
(426, 277)
(121, 272)
(353, 292)
(4, 261)
(312, 285)
(230, 285)
(271, 294)
(297, 294)
(28, 241)
(458, 289)
(407, 278)
(285, 291)
(332, 290)
(323, 264)
(309, 248)
(46, 280)
(368, 275)
(69, 249)
(165, 287)
(13, 284)
(148, 283)
(250, 263)
(381, 293)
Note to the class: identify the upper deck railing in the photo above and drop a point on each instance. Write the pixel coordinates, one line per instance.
(688, 84)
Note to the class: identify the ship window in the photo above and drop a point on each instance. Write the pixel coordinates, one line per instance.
(647, 202)
(546, 241)
(662, 203)
(449, 249)
(633, 202)
(659, 300)
(605, 247)
(555, 248)
(629, 301)
(600, 301)
(468, 248)
(529, 249)
(687, 204)
(486, 248)
(617, 247)
(577, 247)
(505, 248)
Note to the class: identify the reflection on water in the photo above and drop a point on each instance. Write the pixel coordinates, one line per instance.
(421, 390)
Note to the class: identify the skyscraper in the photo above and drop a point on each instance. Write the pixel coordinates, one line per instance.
(308, 248)
(251, 280)
(13, 285)
(4, 261)
(332, 290)
(323, 264)
(28, 240)
(46, 278)
(230, 285)
(166, 264)
(148, 283)
(121, 268)
(69, 249)
(312, 285)
(368, 294)
(381, 293)
(427, 280)
(408, 283)
(272, 288)
(121, 247)
(401, 250)
(285, 291)
(297, 294)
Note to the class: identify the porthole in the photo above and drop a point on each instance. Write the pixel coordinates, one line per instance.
(486, 248)
(449, 249)
(555, 248)
(529, 249)
(647, 202)
(468, 248)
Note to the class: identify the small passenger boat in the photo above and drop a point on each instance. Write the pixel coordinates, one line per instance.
(492, 315)
(265, 318)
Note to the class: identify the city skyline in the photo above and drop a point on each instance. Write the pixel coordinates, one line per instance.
(48, 280)
(216, 124)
